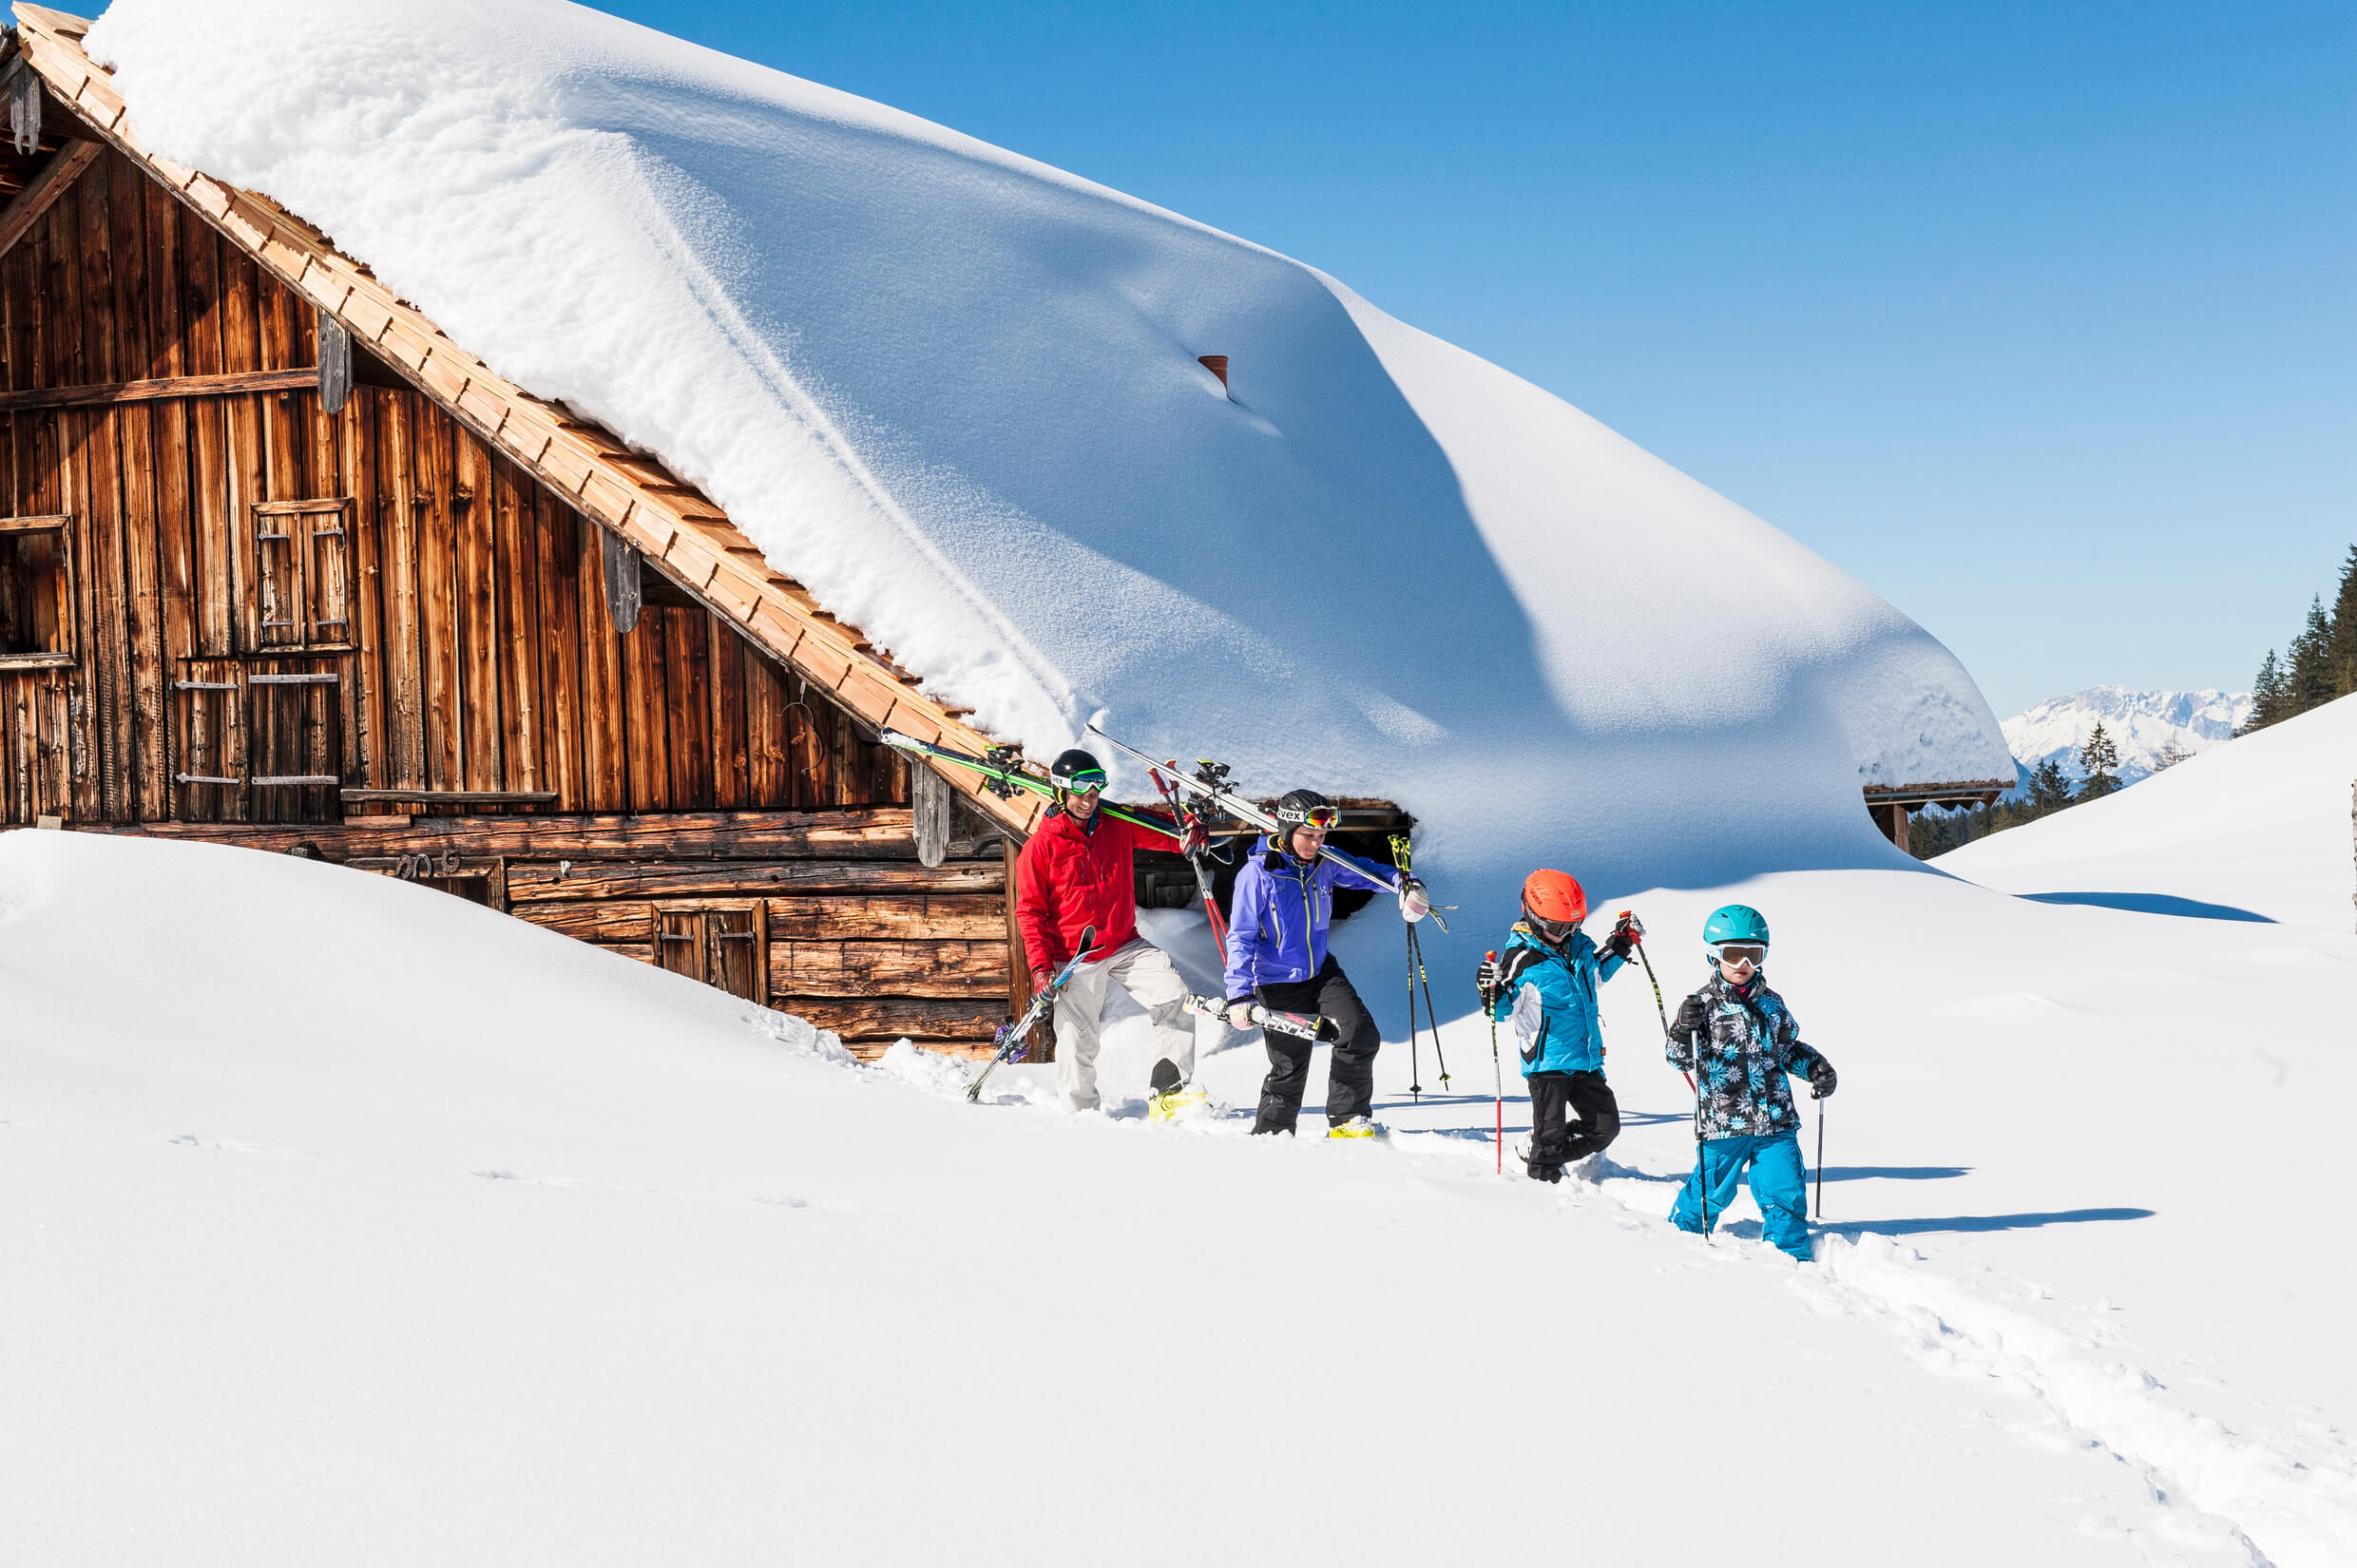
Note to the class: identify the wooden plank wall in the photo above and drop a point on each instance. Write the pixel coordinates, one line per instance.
(483, 658)
(861, 937)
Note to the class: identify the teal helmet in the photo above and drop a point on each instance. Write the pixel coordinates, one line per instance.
(1736, 923)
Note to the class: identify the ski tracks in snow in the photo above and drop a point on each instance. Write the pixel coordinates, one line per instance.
(2291, 1505)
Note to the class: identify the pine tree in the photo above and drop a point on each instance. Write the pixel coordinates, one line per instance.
(2099, 760)
(2049, 790)
(2341, 642)
(2171, 753)
(2309, 684)
(2267, 696)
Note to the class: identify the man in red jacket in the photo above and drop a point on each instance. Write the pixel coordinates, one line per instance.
(1076, 873)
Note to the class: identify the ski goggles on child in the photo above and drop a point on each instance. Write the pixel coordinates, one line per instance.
(1754, 953)
(1323, 818)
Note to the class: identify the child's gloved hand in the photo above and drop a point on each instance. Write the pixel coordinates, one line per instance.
(1690, 1014)
(1491, 980)
(1626, 933)
(1821, 1079)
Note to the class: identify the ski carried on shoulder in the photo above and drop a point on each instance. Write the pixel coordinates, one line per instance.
(1311, 1026)
(1010, 1039)
(1004, 772)
(1235, 804)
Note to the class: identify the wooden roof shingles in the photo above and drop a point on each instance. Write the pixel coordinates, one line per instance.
(675, 525)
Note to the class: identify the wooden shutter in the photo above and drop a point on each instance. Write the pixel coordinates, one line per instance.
(259, 740)
(208, 741)
(720, 943)
(303, 574)
(295, 744)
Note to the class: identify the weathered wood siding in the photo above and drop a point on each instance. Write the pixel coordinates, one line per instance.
(449, 614)
(479, 651)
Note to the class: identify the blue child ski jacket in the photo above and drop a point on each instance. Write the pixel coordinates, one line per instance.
(1282, 909)
(1747, 1044)
(1550, 998)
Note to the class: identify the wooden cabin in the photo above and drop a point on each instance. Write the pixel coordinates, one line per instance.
(281, 566)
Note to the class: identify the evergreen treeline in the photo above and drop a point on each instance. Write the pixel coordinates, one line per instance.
(2322, 665)
(2046, 790)
(2323, 662)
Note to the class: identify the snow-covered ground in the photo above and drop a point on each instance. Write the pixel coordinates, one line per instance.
(347, 1222)
(2143, 725)
(957, 392)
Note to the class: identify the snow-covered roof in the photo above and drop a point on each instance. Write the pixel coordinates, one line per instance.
(958, 395)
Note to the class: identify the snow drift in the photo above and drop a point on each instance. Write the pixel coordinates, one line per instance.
(957, 392)
(405, 1233)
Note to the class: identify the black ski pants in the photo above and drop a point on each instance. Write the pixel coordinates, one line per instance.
(1554, 1144)
(1351, 1079)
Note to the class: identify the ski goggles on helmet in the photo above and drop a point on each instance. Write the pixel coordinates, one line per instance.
(1323, 818)
(1754, 953)
(1553, 931)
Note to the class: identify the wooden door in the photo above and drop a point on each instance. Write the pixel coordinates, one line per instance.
(718, 945)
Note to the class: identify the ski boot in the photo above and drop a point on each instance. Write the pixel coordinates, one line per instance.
(1171, 1097)
(1358, 1126)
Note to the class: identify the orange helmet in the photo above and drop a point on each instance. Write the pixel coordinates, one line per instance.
(1554, 897)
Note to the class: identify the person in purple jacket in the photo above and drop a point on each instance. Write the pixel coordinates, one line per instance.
(1277, 923)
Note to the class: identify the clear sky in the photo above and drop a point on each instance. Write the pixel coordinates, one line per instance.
(2038, 319)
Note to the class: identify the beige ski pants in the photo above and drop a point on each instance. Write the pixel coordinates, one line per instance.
(1145, 973)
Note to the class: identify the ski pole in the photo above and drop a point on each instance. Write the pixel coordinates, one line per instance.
(1820, 1157)
(1657, 1000)
(1415, 1067)
(1497, 1074)
(1415, 951)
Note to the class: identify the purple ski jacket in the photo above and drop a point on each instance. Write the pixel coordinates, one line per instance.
(1282, 909)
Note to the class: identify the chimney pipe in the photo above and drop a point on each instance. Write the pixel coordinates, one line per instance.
(1218, 365)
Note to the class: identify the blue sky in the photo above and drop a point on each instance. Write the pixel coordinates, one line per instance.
(2037, 319)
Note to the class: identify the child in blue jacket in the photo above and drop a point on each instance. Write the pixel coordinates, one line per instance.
(1739, 1039)
(1546, 984)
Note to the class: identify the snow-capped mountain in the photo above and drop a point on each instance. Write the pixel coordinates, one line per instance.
(2142, 724)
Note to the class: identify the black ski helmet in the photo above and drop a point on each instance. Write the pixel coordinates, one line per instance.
(1301, 807)
(1076, 770)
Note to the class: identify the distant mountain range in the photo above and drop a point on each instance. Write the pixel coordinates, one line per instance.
(2142, 724)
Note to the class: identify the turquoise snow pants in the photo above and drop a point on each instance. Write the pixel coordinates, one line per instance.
(1779, 1186)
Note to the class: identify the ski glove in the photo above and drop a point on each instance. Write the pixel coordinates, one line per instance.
(1690, 1014)
(1239, 1014)
(1626, 933)
(1821, 1079)
(1491, 980)
(1194, 841)
(1414, 905)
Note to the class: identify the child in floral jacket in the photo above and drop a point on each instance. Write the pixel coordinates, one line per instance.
(1739, 1041)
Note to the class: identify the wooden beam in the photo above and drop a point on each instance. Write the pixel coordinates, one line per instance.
(55, 178)
(170, 386)
(456, 797)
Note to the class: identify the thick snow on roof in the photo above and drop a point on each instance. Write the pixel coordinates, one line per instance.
(956, 392)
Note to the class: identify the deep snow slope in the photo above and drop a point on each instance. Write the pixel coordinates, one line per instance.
(956, 392)
(397, 1232)
(2142, 724)
(2258, 827)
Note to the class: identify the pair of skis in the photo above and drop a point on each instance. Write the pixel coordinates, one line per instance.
(1216, 793)
(1012, 1041)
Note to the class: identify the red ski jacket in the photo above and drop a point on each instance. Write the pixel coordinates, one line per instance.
(1067, 880)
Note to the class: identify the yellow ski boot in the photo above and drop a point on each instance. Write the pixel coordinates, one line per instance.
(1358, 1126)
(1171, 1097)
